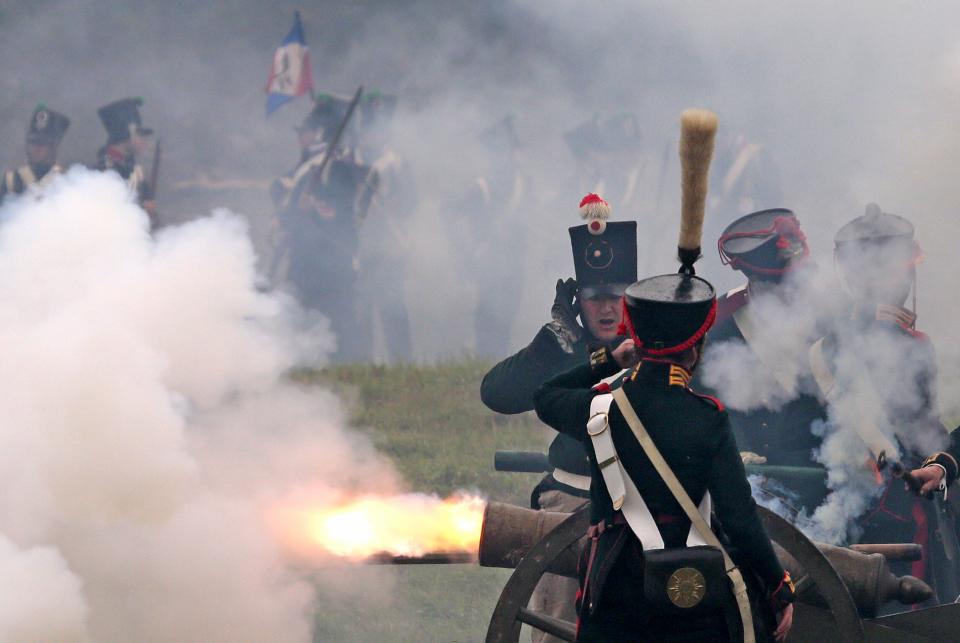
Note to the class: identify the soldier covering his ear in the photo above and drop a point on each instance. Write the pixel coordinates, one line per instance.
(605, 262)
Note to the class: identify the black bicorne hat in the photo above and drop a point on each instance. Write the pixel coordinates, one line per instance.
(47, 127)
(604, 254)
(768, 243)
(120, 117)
(668, 314)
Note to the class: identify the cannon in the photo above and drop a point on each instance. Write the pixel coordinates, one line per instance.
(840, 591)
(510, 532)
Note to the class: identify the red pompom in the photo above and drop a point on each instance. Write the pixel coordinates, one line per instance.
(594, 208)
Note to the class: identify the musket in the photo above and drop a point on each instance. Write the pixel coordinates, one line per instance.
(316, 174)
(315, 177)
(150, 193)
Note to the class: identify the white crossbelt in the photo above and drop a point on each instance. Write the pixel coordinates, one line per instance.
(574, 480)
(623, 492)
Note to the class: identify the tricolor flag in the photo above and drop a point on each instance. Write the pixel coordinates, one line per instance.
(291, 75)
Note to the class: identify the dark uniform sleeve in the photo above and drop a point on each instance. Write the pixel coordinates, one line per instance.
(736, 508)
(564, 402)
(509, 386)
(949, 459)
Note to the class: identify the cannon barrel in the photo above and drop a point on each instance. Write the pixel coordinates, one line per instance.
(509, 532)
(910, 552)
(521, 462)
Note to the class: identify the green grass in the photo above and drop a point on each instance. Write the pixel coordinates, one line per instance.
(430, 421)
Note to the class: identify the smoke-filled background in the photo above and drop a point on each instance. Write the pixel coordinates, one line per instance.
(846, 104)
(850, 104)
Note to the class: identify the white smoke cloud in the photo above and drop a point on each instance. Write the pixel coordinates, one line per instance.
(148, 427)
(878, 401)
(43, 600)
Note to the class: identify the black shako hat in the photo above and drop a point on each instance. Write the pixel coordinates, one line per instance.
(668, 314)
(768, 243)
(327, 113)
(121, 117)
(604, 253)
(874, 228)
(47, 127)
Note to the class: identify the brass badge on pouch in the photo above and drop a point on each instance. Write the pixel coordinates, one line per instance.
(686, 587)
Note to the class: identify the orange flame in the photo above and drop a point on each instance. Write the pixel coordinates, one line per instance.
(403, 525)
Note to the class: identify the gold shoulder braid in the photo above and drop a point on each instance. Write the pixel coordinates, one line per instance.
(679, 376)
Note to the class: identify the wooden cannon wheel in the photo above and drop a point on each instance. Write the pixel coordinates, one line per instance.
(512, 612)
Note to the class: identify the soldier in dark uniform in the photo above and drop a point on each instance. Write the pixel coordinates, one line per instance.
(385, 239)
(667, 318)
(318, 216)
(876, 351)
(127, 141)
(46, 130)
(767, 247)
(605, 261)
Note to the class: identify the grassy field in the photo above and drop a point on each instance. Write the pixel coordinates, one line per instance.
(431, 423)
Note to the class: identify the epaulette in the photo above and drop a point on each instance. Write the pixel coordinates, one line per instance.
(731, 302)
(678, 376)
(709, 399)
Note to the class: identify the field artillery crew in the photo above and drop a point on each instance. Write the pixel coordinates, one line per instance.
(654, 568)
(46, 130)
(605, 262)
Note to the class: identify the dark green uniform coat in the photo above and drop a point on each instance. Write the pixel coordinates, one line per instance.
(693, 433)
(509, 387)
